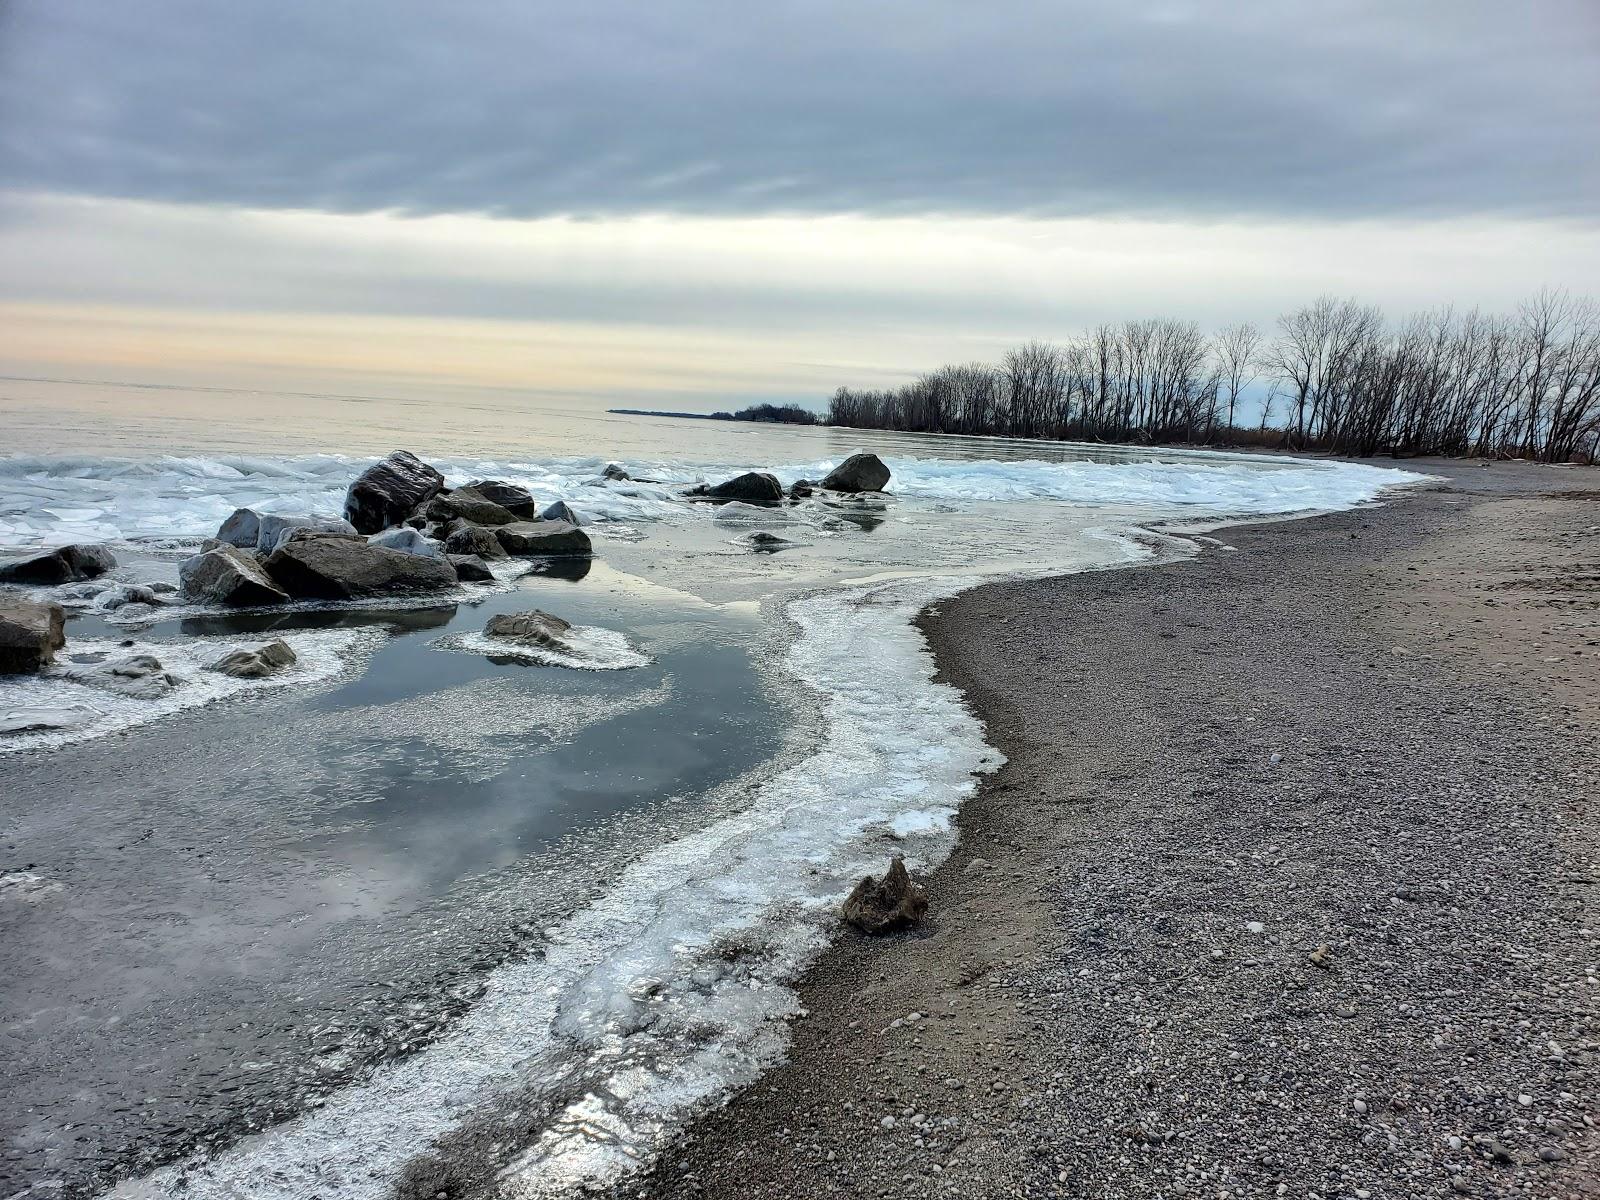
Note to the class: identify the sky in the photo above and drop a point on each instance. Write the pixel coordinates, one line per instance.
(694, 203)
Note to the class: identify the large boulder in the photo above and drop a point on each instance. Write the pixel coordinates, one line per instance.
(258, 663)
(560, 511)
(753, 487)
(469, 505)
(512, 497)
(228, 575)
(474, 539)
(884, 905)
(273, 529)
(386, 492)
(30, 635)
(137, 676)
(542, 537)
(407, 541)
(470, 568)
(531, 628)
(63, 564)
(329, 567)
(858, 473)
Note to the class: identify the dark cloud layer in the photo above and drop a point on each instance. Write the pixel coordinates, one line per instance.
(533, 107)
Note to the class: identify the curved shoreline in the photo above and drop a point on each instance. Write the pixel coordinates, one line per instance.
(1097, 1014)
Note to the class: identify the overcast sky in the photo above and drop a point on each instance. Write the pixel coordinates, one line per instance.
(839, 186)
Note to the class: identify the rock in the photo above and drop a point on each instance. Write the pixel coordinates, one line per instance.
(229, 575)
(753, 487)
(137, 676)
(767, 542)
(242, 529)
(801, 488)
(407, 541)
(258, 663)
(63, 564)
(124, 594)
(560, 511)
(386, 492)
(30, 635)
(885, 905)
(274, 530)
(1322, 957)
(510, 496)
(542, 537)
(468, 505)
(532, 628)
(858, 473)
(615, 472)
(329, 567)
(470, 568)
(474, 539)
(42, 718)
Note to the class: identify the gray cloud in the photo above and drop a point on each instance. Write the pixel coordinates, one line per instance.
(531, 107)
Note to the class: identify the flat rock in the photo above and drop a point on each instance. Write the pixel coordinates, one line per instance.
(30, 634)
(469, 505)
(858, 473)
(407, 541)
(543, 537)
(228, 575)
(62, 564)
(884, 905)
(512, 497)
(323, 567)
(137, 676)
(753, 487)
(474, 540)
(387, 492)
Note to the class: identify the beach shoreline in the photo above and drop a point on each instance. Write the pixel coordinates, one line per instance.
(1217, 768)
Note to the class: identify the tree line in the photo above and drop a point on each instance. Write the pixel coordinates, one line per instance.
(1333, 375)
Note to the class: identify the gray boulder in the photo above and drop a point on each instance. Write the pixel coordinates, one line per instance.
(329, 567)
(228, 575)
(242, 529)
(470, 568)
(543, 537)
(387, 492)
(258, 663)
(469, 505)
(560, 511)
(884, 905)
(137, 676)
(63, 564)
(858, 473)
(274, 530)
(407, 541)
(30, 635)
(512, 497)
(474, 539)
(531, 628)
(753, 487)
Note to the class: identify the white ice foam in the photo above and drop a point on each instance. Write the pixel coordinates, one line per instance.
(586, 648)
(76, 712)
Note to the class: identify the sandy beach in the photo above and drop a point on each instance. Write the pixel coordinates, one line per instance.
(1287, 887)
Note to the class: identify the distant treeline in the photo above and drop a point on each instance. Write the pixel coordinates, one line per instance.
(1334, 376)
(782, 414)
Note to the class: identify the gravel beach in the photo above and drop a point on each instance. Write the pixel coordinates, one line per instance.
(1287, 886)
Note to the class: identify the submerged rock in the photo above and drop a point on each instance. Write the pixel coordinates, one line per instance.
(858, 473)
(228, 575)
(470, 568)
(273, 529)
(407, 541)
(542, 537)
(474, 539)
(531, 628)
(512, 497)
(387, 492)
(63, 564)
(329, 567)
(258, 663)
(43, 718)
(30, 634)
(753, 487)
(884, 905)
(469, 505)
(137, 676)
(560, 511)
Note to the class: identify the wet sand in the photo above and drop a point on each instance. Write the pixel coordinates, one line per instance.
(1287, 887)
